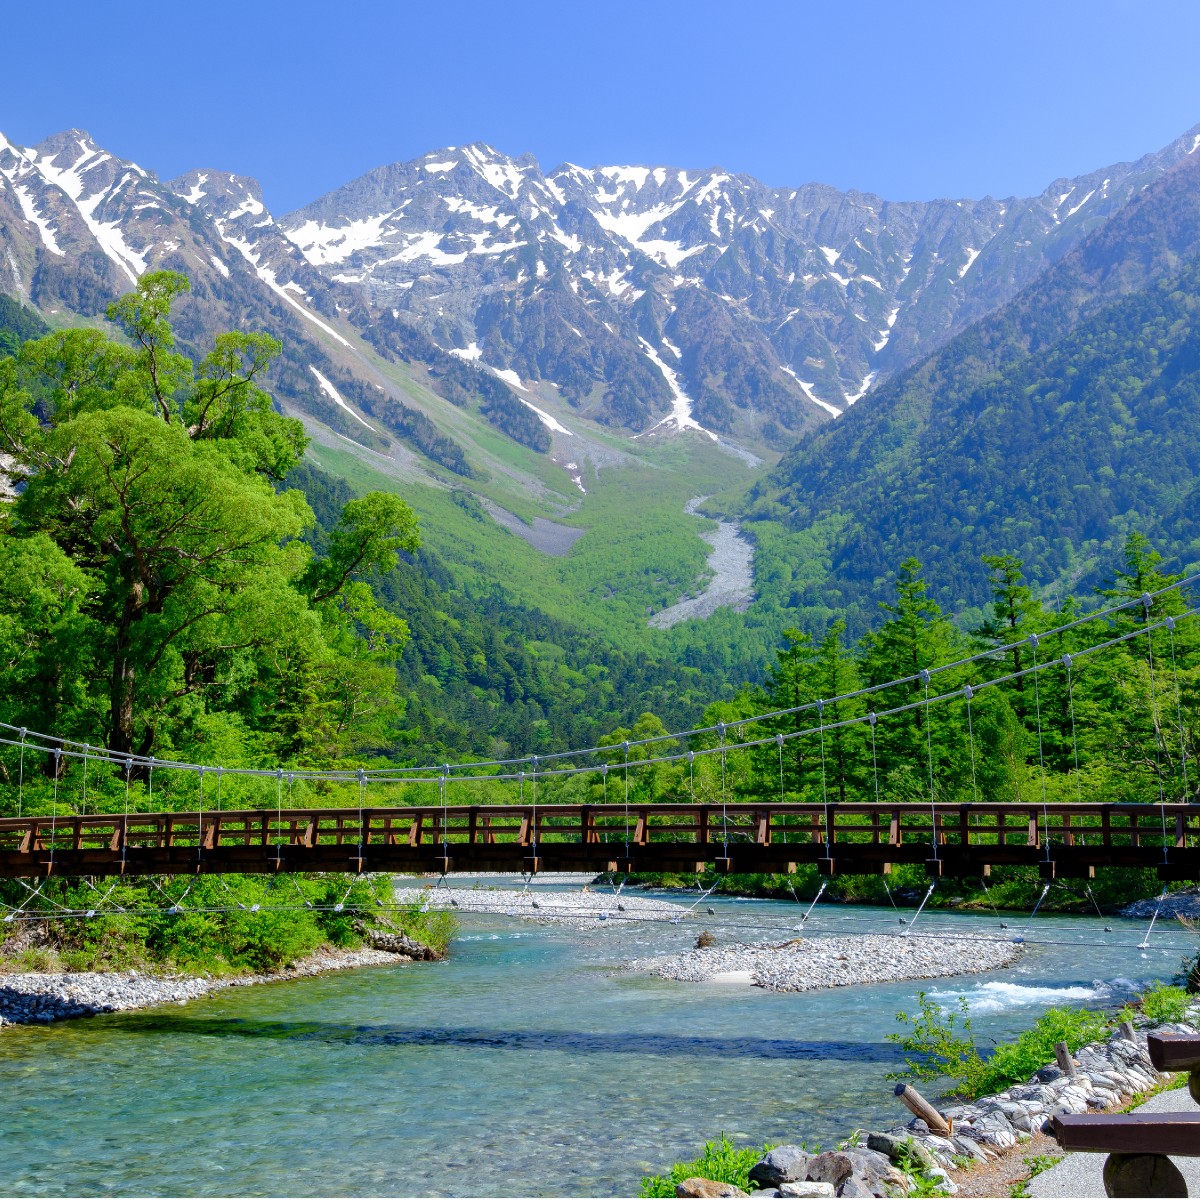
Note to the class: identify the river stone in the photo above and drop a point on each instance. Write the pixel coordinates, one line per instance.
(784, 1164)
(834, 1166)
(856, 1187)
(699, 1187)
(806, 1187)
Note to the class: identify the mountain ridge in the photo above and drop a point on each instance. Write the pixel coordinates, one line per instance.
(639, 297)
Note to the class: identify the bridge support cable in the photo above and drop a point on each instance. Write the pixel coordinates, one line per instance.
(933, 836)
(920, 909)
(83, 792)
(279, 817)
(362, 787)
(724, 803)
(1037, 704)
(200, 824)
(54, 817)
(969, 693)
(70, 749)
(1155, 725)
(1069, 663)
(1144, 944)
(1183, 762)
(534, 827)
(1034, 913)
(820, 893)
(871, 719)
(625, 747)
(21, 775)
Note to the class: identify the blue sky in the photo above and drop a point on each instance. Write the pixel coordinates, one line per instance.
(910, 99)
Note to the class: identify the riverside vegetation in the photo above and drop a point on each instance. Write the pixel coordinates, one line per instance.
(940, 1049)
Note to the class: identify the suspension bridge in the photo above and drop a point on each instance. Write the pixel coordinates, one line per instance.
(1062, 840)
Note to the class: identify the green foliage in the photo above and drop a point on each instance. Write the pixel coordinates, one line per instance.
(940, 1046)
(1165, 1002)
(154, 579)
(17, 324)
(721, 1161)
(226, 924)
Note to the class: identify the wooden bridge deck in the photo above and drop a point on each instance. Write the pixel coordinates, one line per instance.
(953, 840)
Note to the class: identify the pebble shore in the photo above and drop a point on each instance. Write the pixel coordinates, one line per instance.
(580, 909)
(806, 963)
(32, 998)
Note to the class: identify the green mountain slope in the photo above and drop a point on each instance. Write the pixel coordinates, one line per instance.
(1047, 430)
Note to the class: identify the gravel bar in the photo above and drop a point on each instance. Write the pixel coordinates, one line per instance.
(36, 998)
(804, 964)
(582, 909)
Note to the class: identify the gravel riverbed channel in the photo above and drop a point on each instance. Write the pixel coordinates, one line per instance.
(581, 909)
(805, 963)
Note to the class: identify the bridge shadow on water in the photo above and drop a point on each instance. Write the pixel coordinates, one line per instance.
(469, 1037)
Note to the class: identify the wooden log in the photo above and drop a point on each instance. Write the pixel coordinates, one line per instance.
(1066, 1063)
(920, 1107)
(1142, 1175)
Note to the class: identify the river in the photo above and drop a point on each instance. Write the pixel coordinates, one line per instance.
(731, 584)
(526, 1064)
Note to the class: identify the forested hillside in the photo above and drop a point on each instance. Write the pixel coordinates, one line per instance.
(1049, 430)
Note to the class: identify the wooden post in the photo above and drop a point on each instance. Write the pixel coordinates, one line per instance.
(1065, 1062)
(920, 1107)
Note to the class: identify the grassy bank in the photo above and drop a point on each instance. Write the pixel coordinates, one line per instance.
(211, 924)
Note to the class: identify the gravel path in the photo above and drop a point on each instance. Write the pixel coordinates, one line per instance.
(32, 998)
(804, 964)
(1082, 1174)
(582, 909)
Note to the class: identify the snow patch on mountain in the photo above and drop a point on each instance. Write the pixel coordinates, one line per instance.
(336, 397)
(680, 416)
(807, 389)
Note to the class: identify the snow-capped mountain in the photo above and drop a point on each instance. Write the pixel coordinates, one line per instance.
(624, 286)
(646, 297)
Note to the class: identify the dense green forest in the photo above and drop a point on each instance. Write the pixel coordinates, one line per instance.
(1051, 430)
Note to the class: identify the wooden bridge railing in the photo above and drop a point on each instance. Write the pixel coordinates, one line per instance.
(967, 839)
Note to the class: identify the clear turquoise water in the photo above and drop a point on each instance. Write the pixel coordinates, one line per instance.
(525, 1065)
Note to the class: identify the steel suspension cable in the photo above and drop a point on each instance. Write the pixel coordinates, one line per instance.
(1037, 701)
(1179, 709)
(933, 837)
(969, 693)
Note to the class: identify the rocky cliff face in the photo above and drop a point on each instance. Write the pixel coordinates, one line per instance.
(641, 297)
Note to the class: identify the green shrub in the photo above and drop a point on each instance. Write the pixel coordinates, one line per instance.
(1164, 1002)
(940, 1046)
(721, 1161)
(1016, 1061)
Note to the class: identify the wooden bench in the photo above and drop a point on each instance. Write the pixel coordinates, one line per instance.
(1138, 1144)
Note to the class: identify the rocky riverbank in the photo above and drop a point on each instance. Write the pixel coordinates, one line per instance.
(582, 909)
(910, 1158)
(38, 998)
(805, 963)
(1184, 903)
